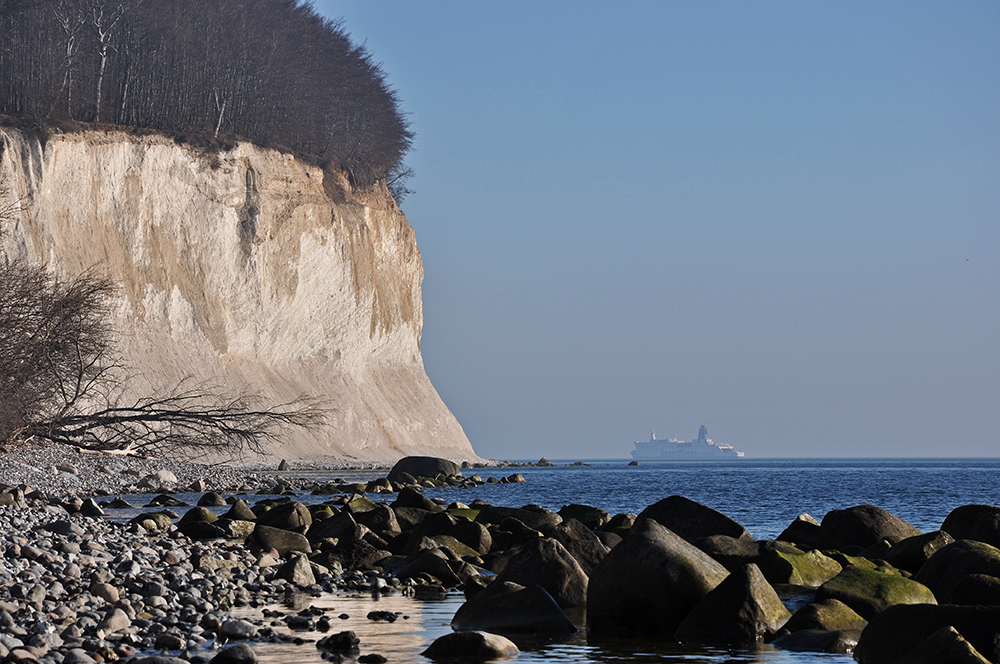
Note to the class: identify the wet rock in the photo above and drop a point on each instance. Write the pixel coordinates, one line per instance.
(507, 608)
(743, 608)
(864, 525)
(241, 653)
(900, 630)
(649, 582)
(820, 640)
(342, 642)
(472, 645)
(869, 592)
(292, 516)
(211, 499)
(414, 499)
(238, 630)
(943, 570)
(691, 520)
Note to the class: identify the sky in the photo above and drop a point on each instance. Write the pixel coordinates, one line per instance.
(777, 219)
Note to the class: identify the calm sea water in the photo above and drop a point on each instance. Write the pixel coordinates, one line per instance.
(763, 495)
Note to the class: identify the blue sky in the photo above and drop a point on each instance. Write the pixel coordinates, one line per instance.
(776, 219)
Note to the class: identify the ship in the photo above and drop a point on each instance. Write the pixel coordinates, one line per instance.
(702, 448)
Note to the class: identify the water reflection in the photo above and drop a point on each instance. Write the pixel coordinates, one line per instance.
(421, 621)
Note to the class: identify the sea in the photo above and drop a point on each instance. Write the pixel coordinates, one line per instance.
(764, 495)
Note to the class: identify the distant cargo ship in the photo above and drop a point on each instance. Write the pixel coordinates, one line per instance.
(673, 449)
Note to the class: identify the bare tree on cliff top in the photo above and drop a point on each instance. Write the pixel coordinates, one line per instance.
(60, 380)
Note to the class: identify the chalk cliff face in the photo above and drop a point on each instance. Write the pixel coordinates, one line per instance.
(249, 269)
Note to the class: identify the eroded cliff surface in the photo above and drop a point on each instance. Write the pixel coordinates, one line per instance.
(249, 269)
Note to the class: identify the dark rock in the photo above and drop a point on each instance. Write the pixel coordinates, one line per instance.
(342, 642)
(356, 554)
(869, 592)
(649, 582)
(864, 525)
(820, 640)
(212, 499)
(806, 532)
(409, 497)
(743, 608)
(902, 629)
(581, 542)
(282, 541)
(240, 511)
(340, 526)
(943, 570)
(974, 522)
(432, 562)
(202, 530)
(297, 570)
(507, 608)
(241, 653)
(546, 563)
(293, 516)
(380, 519)
(591, 517)
(977, 589)
(944, 645)
(197, 514)
(420, 466)
(610, 540)
(691, 520)
(471, 646)
(911, 553)
(533, 516)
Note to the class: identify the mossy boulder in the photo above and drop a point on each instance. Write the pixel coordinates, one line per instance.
(197, 514)
(591, 517)
(743, 608)
(811, 569)
(869, 592)
(828, 614)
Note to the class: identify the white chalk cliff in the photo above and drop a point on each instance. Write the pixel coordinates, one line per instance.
(249, 269)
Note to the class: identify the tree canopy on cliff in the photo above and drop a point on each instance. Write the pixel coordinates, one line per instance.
(271, 71)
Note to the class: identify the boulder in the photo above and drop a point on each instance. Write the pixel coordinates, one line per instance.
(828, 614)
(943, 570)
(410, 497)
(546, 563)
(293, 516)
(197, 514)
(240, 511)
(806, 532)
(864, 525)
(340, 526)
(283, 541)
(212, 499)
(974, 522)
(297, 570)
(241, 653)
(533, 516)
(911, 553)
(649, 582)
(819, 640)
(977, 589)
(422, 466)
(433, 562)
(733, 553)
(591, 517)
(581, 542)
(810, 570)
(691, 520)
(869, 592)
(509, 608)
(379, 519)
(471, 646)
(743, 608)
(901, 630)
(944, 645)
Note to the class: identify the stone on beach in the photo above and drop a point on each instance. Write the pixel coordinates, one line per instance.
(507, 607)
(423, 466)
(691, 520)
(545, 562)
(649, 582)
(472, 645)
